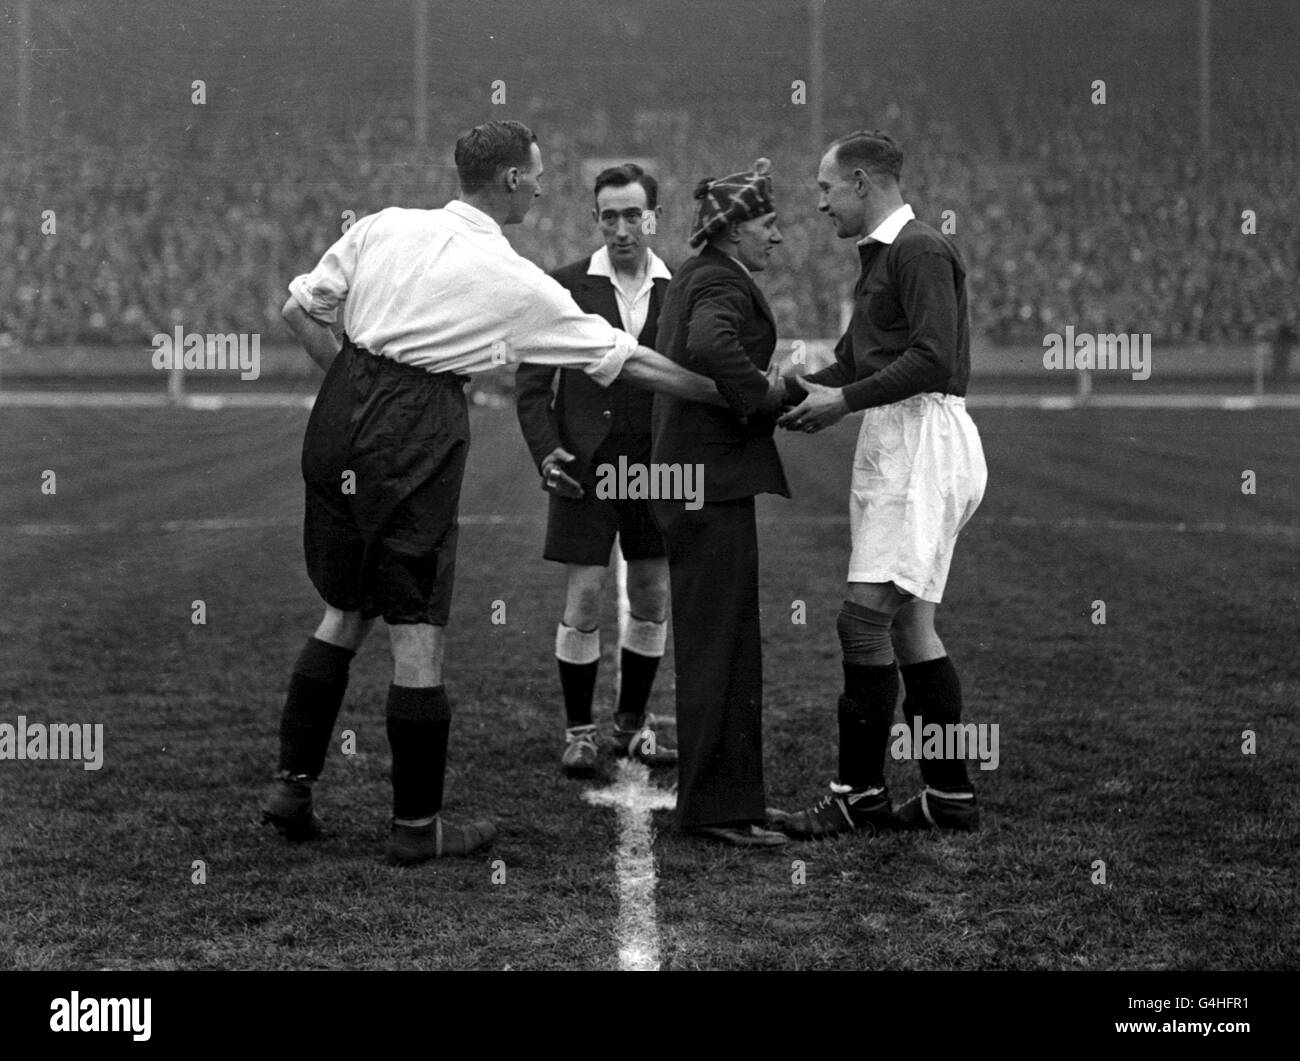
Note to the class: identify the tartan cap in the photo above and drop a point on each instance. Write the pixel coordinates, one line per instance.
(740, 197)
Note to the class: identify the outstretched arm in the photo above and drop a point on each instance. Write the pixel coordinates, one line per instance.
(652, 370)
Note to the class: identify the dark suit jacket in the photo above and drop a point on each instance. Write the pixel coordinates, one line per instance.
(715, 321)
(579, 414)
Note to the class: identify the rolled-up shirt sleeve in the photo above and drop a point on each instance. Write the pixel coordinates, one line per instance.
(550, 329)
(321, 291)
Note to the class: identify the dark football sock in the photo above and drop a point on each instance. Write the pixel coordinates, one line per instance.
(578, 680)
(419, 721)
(316, 688)
(866, 712)
(634, 688)
(934, 695)
(577, 654)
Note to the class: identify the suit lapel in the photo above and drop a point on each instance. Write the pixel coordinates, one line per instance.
(755, 292)
(600, 295)
(656, 300)
(761, 301)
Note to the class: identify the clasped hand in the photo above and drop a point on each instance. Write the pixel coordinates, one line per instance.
(823, 406)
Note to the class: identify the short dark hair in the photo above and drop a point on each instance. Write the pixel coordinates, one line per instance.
(629, 173)
(872, 151)
(489, 148)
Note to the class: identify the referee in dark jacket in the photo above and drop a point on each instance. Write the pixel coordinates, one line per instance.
(574, 427)
(715, 321)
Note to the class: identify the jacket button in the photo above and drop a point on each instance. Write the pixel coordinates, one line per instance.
(607, 414)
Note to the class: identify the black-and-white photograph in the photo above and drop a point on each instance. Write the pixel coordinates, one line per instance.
(650, 485)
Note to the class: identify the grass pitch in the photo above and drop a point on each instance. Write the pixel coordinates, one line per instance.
(1120, 743)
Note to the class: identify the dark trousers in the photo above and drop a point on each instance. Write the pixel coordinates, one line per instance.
(717, 647)
(384, 543)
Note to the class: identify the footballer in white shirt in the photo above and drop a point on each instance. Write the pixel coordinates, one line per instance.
(426, 297)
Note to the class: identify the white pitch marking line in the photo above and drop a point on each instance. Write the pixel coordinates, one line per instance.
(184, 526)
(171, 526)
(633, 797)
(210, 403)
(38, 399)
(187, 526)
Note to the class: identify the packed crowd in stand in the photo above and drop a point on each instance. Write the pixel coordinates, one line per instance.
(1105, 217)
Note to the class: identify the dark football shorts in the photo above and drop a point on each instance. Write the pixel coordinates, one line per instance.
(382, 539)
(582, 531)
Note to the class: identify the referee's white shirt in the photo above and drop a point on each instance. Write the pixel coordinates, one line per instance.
(443, 290)
(634, 306)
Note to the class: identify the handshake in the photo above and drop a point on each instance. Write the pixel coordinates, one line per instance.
(798, 404)
(803, 405)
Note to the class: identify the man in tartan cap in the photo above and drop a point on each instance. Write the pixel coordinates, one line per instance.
(738, 198)
(716, 321)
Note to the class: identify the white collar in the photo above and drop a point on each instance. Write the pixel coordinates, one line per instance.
(887, 231)
(602, 266)
(741, 264)
(473, 215)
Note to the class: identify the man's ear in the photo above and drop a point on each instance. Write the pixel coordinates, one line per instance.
(862, 183)
(512, 178)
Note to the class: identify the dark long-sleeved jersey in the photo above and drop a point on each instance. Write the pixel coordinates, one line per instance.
(910, 330)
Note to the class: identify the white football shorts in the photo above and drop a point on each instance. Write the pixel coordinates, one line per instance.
(918, 476)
